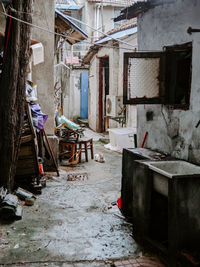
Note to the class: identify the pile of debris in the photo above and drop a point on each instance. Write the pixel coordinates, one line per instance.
(10, 208)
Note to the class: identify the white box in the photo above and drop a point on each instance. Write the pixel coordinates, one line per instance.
(121, 138)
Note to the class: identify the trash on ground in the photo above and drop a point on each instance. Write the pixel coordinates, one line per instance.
(3, 192)
(77, 176)
(29, 201)
(23, 194)
(9, 208)
(16, 246)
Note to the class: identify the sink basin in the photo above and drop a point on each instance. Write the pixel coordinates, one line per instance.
(164, 170)
(173, 168)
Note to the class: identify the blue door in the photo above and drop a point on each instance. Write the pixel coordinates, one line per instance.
(84, 95)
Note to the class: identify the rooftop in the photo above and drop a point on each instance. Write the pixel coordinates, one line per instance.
(139, 7)
(114, 2)
(128, 28)
(63, 24)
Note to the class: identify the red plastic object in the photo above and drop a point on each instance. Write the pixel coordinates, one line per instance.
(144, 140)
(119, 203)
(41, 169)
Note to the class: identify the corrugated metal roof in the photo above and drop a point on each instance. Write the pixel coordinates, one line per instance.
(68, 7)
(118, 35)
(113, 2)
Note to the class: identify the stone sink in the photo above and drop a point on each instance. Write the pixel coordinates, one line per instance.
(164, 170)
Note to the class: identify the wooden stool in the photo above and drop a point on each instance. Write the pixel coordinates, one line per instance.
(67, 149)
(84, 145)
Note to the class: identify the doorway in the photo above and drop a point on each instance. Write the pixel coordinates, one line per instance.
(103, 91)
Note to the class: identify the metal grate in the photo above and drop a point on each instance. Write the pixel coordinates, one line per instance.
(143, 77)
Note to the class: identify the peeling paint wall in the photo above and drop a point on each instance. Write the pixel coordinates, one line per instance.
(172, 131)
(43, 73)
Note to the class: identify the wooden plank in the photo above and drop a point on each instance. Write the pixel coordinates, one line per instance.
(51, 152)
(25, 151)
(21, 172)
(28, 111)
(26, 164)
(27, 138)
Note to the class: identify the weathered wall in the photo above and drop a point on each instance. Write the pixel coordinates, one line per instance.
(115, 81)
(172, 131)
(93, 94)
(113, 55)
(43, 73)
(131, 110)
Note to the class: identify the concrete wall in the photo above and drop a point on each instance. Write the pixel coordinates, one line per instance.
(115, 82)
(91, 9)
(43, 73)
(172, 131)
(93, 94)
(131, 110)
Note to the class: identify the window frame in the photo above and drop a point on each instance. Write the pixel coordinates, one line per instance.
(161, 78)
(164, 92)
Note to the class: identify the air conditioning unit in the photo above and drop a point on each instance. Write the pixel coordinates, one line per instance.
(114, 106)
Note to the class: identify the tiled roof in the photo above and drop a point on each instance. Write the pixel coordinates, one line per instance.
(129, 24)
(94, 49)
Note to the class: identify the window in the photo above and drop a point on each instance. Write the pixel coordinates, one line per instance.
(159, 77)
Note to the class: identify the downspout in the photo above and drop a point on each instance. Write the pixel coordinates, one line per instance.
(97, 25)
(95, 22)
(72, 52)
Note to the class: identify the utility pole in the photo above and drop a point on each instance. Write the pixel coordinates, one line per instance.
(12, 88)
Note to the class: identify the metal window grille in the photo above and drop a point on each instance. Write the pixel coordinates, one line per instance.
(143, 76)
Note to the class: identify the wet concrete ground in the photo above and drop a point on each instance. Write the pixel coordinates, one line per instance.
(73, 222)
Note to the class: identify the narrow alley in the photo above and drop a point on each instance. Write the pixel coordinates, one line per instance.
(73, 223)
(99, 133)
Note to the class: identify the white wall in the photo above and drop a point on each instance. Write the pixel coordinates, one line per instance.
(161, 26)
(115, 81)
(71, 100)
(93, 94)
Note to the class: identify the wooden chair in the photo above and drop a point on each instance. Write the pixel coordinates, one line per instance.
(84, 145)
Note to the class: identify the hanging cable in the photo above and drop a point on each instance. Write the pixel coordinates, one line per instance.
(107, 35)
(60, 34)
(133, 47)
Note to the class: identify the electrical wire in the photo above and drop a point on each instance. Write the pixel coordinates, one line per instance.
(63, 35)
(107, 35)
(134, 47)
